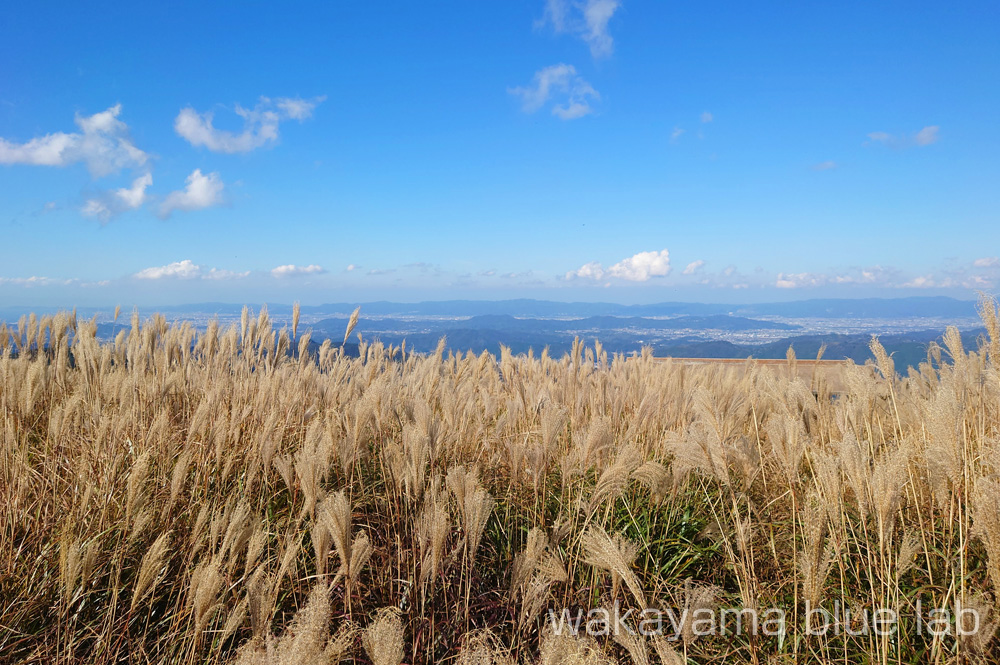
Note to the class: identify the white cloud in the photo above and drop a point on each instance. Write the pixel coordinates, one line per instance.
(29, 282)
(693, 267)
(571, 94)
(187, 269)
(638, 268)
(135, 196)
(34, 281)
(571, 110)
(587, 19)
(707, 117)
(201, 191)
(297, 108)
(96, 208)
(676, 134)
(924, 137)
(871, 276)
(876, 276)
(556, 13)
(987, 262)
(828, 165)
(260, 124)
(292, 269)
(597, 14)
(49, 150)
(642, 266)
(216, 273)
(784, 283)
(799, 280)
(120, 200)
(927, 135)
(592, 270)
(103, 144)
(920, 282)
(978, 282)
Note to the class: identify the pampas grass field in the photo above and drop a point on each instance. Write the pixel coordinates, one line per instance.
(226, 496)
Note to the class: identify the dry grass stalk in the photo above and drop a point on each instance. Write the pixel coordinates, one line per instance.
(383, 638)
(615, 554)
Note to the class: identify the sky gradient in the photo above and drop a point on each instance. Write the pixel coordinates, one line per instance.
(593, 150)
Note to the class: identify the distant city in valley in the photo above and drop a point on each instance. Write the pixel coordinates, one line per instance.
(841, 327)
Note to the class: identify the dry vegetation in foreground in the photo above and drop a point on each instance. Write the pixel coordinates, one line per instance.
(173, 497)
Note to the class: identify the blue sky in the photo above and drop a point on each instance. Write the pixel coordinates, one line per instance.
(594, 150)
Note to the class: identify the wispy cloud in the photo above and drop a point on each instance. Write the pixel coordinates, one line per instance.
(569, 93)
(978, 282)
(924, 137)
(920, 282)
(292, 270)
(693, 267)
(30, 282)
(987, 262)
(587, 20)
(260, 124)
(885, 277)
(798, 280)
(297, 108)
(201, 191)
(103, 144)
(676, 134)
(871, 276)
(828, 165)
(522, 275)
(927, 135)
(34, 281)
(112, 203)
(187, 270)
(640, 267)
(707, 117)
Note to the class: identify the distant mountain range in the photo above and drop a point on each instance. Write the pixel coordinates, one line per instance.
(917, 306)
(676, 329)
(907, 349)
(506, 322)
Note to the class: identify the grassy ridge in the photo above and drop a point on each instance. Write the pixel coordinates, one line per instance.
(231, 496)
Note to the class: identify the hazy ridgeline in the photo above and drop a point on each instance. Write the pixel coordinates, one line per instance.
(180, 497)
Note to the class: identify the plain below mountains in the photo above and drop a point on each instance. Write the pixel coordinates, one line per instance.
(508, 323)
(682, 337)
(489, 331)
